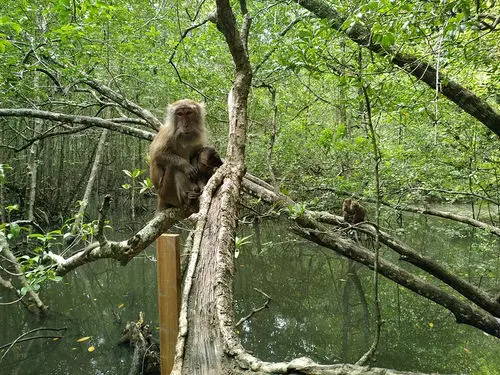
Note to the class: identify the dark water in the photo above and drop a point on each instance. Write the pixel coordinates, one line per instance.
(321, 307)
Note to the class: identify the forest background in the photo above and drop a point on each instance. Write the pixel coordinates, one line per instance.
(405, 118)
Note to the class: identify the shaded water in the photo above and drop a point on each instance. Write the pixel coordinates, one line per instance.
(321, 307)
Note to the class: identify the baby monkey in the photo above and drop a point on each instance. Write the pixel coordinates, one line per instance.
(205, 162)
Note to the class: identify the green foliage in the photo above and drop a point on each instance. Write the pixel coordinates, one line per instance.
(239, 242)
(322, 139)
(35, 268)
(87, 230)
(134, 175)
(296, 210)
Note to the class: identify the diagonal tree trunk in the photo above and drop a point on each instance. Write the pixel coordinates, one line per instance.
(413, 65)
(88, 190)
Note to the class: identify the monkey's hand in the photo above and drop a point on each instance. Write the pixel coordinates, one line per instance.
(191, 172)
(193, 194)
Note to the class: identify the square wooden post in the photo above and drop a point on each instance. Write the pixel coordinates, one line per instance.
(169, 297)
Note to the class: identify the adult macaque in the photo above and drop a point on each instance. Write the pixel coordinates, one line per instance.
(352, 211)
(180, 139)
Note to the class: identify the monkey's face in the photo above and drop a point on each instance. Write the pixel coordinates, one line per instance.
(187, 115)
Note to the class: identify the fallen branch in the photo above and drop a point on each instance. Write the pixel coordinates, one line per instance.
(309, 228)
(122, 251)
(146, 357)
(468, 290)
(255, 310)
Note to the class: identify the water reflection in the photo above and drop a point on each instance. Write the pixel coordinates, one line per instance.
(322, 304)
(96, 300)
(321, 307)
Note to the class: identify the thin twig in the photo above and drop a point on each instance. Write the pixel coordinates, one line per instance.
(10, 345)
(255, 310)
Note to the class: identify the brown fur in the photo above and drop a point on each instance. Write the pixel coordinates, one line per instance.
(352, 211)
(205, 162)
(181, 138)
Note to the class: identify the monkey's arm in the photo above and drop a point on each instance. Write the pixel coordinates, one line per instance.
(166, 160)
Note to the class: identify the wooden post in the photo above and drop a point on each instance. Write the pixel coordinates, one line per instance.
(169, 297)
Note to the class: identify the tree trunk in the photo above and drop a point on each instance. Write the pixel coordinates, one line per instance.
(88, 190)
(33, 171)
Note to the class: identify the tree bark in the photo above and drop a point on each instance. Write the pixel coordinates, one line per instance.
(33, 171)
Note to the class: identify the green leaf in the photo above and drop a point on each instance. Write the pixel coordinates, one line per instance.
(387, 40)
(15, 229)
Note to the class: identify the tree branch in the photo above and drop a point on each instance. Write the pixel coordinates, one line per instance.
(87, 121)
(125, 103)
(122, 251)
(415, 66)
(311, 229)
(430, 211)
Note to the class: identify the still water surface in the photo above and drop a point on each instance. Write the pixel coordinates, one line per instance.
(321, 307)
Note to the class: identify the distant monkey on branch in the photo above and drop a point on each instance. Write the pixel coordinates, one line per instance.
(352, 211)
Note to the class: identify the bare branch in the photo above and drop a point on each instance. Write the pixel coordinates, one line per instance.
(87, 121)
(430, 211)
(122, 251)
(255, 310)
(125, 103)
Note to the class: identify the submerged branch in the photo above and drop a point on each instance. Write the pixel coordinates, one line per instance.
(255, 310)
(308, 227)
